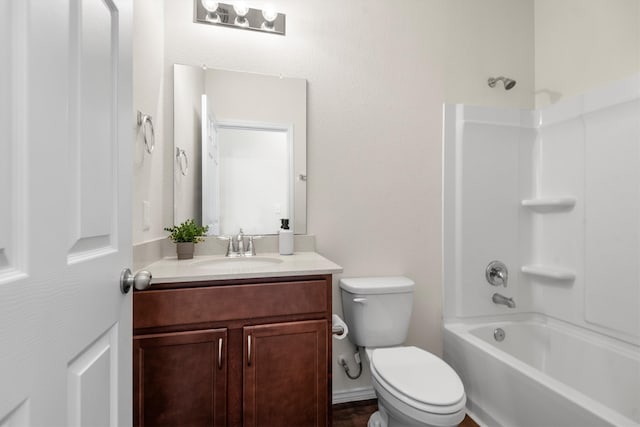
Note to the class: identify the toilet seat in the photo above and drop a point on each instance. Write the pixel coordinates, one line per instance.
(419, 379)
(409, 414)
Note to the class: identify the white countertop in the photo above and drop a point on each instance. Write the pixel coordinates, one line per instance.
(219, 267)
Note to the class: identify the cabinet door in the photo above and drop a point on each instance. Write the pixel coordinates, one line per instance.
(180, 379)
(286, 374)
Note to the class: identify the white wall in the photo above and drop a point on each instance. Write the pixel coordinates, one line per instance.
(489, 39)
(583, 44)
(151, 173)
(376, 84)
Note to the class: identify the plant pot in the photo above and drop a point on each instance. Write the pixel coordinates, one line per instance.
(185, 250)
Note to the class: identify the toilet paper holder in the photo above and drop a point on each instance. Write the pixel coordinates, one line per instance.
(339, 328)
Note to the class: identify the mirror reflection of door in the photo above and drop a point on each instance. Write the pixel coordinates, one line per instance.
(210, 169)
(255, 192)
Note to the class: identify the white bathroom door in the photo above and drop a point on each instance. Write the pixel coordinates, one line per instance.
(66, 129)
(210, 168)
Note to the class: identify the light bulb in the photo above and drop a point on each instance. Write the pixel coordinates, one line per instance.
(241, 22)
(269, 13)
(210, 6)
(241, 9)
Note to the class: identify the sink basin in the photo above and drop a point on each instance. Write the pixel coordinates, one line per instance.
(236, 263)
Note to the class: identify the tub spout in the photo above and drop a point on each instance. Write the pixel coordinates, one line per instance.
(501, 299)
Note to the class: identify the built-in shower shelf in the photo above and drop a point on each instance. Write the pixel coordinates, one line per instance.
(549, 272)
(550, 204)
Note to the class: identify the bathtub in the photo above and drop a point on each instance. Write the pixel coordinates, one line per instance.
(545, 373)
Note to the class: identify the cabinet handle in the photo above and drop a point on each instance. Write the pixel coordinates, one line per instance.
(219, 353)
(248, 350)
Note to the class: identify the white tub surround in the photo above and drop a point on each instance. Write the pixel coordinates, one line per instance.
(555, 195)
(544, 363)
(219, 267)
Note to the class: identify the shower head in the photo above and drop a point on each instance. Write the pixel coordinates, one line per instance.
(508, 83)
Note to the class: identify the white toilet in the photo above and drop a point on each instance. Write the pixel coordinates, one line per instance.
(414, 387)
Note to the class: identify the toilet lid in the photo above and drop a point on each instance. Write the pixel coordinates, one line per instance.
(377, 285)
(418, 375)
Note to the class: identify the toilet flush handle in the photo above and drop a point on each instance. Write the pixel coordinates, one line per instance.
(360, 300)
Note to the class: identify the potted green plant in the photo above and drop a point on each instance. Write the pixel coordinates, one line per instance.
(186, 235)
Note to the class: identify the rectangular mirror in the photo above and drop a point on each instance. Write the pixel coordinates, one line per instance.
(240, 146)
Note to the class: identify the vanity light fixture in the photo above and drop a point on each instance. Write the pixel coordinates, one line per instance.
(239, 15)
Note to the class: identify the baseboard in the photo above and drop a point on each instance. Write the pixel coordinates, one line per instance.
(479, 416)
(353, 395)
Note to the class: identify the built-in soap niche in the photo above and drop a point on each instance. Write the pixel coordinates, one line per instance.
(549, 205)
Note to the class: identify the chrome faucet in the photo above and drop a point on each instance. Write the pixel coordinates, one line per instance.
(236, 246)
(239, 239)
(501, 299)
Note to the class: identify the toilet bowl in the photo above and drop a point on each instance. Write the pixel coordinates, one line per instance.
(413, 386)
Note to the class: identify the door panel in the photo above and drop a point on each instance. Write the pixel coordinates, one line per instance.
(18, 417)
(210, 169)
(12, 128)
(92, 380)
(66, 125)
(285, 374)
(93, 136)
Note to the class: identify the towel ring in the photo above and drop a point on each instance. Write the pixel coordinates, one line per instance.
(183, 161)
(145, 122)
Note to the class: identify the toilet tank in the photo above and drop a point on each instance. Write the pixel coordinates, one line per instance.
(377, 310)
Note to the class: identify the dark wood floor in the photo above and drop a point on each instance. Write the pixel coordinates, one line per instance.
(356, 414)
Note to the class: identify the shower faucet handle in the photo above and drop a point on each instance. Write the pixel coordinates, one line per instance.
(497, 274)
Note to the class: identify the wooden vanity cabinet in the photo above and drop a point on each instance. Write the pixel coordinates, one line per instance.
(251, 352)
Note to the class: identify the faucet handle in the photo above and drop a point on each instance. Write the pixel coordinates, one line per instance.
(497, 273)
(229, 246)
(251, 250)
(229, 241)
